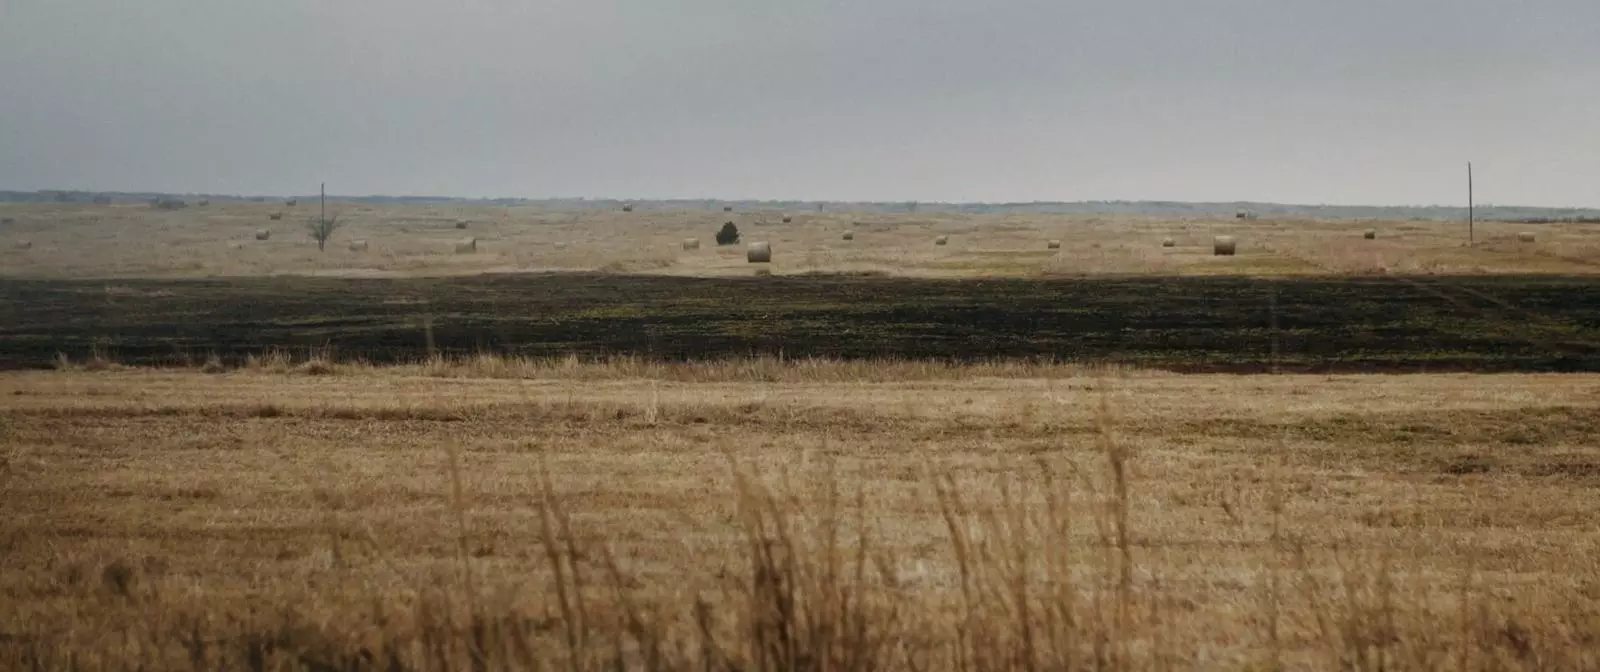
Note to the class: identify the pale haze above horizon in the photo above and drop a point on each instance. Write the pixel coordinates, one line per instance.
(1376, 102)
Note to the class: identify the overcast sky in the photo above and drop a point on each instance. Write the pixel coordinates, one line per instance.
(1304, 101)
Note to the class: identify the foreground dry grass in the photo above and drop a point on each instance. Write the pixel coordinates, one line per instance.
(405, 240)
(795, 515)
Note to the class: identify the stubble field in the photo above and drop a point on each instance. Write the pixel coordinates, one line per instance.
(834, 480)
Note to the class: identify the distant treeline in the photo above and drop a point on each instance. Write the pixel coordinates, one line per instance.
(1553, 220)
(1177, 208)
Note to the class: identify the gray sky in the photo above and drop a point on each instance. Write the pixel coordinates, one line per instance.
(1306, 101)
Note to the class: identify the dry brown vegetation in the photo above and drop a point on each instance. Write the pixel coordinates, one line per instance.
(77, 240)
(495, 513)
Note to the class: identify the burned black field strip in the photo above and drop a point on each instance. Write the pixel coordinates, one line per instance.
(1184, 324)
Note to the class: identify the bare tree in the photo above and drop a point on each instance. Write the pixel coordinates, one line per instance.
(322, 229)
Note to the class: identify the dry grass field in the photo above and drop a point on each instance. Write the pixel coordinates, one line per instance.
(410, 240)
(906, 506)
(758, 514)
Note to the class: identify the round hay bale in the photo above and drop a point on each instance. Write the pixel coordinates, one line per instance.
(263, 234)
(942, 240)
(1223, 246)
(1053, 245)
(1168, 242)
(203, 202)
(358, 246)
(1370, 234)
(1525, 237)
(627, 208)
(461, 223)
(759, 253)
(787, 219)
(691, 243)
(24, 244)
(467, 246)
(561, 246)
(275, 216)
(292, 202)
(849, 235)
(727, 208)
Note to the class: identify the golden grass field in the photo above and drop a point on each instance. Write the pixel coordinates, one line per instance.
(409, 240)
(741, 514)
(762, 514)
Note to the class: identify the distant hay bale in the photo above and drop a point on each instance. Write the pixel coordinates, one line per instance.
(275, 216)
(849, 235)
(292, 202)
(942, 240)
(1525, 237)
(561, 246)
(759, 253)
(627, 207)
(203, 203)
(263, 234)
(24, 244)
(467, 246)
(7, 221)
(787, 219)
(1223, 246)
(691, 243)
(461, 223)
(1053, 245)
(727, 208)
(1168, 242)
(1370, 234)
(358, 246)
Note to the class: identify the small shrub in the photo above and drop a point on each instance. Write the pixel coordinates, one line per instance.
(728, 234)
(315, 367)
(322, 229)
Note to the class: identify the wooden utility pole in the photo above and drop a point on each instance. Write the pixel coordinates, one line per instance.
(324, 210)
(1471, 239)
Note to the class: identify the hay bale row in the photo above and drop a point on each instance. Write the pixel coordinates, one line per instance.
(1223, 246)
(691, 243)
(467, 246)
(759, 253)
(358, 246)
(263, 234)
